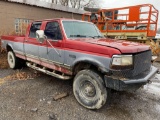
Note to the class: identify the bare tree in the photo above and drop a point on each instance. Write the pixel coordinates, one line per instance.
(92, 4)
(79, 4)
(55, 1)
(64, 2)
(74, 3)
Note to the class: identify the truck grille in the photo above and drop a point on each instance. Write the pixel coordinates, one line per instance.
(142, 64)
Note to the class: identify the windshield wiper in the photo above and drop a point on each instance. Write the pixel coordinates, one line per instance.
(77, 36)
(85, 36)
(98, 36)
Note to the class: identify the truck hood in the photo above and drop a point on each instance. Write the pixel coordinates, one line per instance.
(123, 46)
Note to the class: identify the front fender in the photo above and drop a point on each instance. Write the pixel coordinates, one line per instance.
(92, 61)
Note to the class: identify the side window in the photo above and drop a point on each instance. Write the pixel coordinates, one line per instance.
(34, 27)
(52, 31)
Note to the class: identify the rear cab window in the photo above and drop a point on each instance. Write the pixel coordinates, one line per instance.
(34, 27)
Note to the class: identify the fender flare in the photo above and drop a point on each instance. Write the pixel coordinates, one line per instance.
(94, 62)
(10, 45)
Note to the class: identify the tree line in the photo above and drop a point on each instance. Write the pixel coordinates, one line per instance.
(79, 4)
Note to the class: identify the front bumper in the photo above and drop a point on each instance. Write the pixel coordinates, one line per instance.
(128, 84)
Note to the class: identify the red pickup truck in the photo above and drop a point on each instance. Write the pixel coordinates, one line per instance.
(67, 48)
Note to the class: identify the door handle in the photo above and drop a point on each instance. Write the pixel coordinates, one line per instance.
(26, 40)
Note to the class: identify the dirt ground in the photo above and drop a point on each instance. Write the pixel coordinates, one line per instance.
(28, 95)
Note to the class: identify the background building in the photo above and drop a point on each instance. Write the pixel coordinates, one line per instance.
(15, 15)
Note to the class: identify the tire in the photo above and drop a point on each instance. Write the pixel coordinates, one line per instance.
(12, 60)
(89, 89)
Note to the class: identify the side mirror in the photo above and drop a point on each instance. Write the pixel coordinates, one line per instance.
(40, 36)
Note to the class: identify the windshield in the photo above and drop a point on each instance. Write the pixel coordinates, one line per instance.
(74, 29)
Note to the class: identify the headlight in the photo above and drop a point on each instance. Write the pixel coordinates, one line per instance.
(122, 62)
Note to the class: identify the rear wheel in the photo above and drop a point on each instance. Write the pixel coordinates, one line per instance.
(89, 89)
(12, 60)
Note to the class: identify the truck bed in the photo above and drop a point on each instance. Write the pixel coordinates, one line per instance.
(12, 38)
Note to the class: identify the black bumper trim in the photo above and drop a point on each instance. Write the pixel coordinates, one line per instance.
(122, 85)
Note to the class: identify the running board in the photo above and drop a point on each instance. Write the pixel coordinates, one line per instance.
(48, 72)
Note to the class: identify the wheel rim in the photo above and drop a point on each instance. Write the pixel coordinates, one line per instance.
(11, 60)
(87, 89)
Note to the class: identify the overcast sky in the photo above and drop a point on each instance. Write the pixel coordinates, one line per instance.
(123, 3)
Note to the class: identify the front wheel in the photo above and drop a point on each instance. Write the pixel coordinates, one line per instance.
(89, 89)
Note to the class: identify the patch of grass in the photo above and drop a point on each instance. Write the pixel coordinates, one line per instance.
(1, 82)
(3, 61)
(20, 75)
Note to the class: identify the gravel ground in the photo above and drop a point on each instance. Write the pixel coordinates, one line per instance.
(32, 99)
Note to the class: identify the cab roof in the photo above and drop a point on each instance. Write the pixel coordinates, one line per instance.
(70, 19)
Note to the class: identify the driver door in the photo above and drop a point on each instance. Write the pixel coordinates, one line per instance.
(31, 45)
